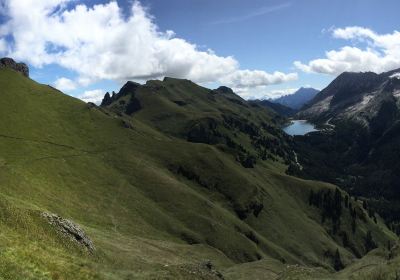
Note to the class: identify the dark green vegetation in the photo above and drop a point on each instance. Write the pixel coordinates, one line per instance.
(276, 107)
(359, 149)
(163, 177)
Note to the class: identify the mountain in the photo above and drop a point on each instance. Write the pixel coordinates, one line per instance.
(356, 96)
(358, 150)
(276, 107)
(297, 99)
(167, 180)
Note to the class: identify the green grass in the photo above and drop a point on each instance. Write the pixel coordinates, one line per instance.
(59, 155)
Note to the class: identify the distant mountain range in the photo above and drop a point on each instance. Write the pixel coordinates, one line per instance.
(298, 99)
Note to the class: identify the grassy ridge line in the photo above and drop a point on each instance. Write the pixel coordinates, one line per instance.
(128, 197)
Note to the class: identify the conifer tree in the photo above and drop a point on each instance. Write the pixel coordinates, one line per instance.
(337, 261)
(369, 242)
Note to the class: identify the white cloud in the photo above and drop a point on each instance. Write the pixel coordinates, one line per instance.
(395, 76)
(248, 78)
(262, 92)
(3, 45)
(94, 96)
(280, 92)
(64, 84)
(100, 43)
(381, 53)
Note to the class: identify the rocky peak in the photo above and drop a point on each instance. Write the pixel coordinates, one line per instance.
(7, 62)
(224, 89)
(128, 88)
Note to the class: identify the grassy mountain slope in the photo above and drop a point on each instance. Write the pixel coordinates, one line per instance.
(155, 203)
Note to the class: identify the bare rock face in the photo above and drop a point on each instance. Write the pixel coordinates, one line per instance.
(7, 62)
(70, 230)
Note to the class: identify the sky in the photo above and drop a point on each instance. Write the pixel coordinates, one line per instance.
(260, 48)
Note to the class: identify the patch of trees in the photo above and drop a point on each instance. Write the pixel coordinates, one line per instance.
(337, 261)
(395, 227)
(369, 242)
(370, 210)
(293, 169)
(354, 159)
(330, 202)
(247, 160)
(274, 145)
(263, 144)
(242, 125)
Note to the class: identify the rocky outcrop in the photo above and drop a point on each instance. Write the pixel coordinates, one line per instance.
(70, 230)
(203, 270)
(7, 62)
(224, 90)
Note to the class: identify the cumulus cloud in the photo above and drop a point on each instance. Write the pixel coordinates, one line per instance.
(64, 84)
(280, 92)
(94, 96)
(381, 52)
(248, 78)
(262, 92)
(100, 43)
(3, 45)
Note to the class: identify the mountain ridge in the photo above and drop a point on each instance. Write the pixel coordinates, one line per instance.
(297, 99)
(360, 113)
(162, 187)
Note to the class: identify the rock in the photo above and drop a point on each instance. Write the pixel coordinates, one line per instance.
(107, 100)
(224, 90)
(126, 124)
(7, 62)
(69, 229)
(207, 265)
(203, 270)
(91, 105)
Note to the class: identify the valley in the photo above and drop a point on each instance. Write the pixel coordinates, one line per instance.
(171, 180)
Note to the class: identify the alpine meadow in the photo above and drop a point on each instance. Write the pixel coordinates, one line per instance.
(192, 140)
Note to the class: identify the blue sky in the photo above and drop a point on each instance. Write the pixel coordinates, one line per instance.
(251, 46)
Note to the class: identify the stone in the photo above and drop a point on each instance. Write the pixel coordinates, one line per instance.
(70, 230)
(7, 62)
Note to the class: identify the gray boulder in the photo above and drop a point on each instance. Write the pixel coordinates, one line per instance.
(69, 229)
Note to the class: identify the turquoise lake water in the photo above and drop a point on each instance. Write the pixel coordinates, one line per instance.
(299, 127)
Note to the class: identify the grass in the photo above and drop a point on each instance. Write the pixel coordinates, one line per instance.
(147, 221)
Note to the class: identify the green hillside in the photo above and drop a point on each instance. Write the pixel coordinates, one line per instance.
(170, 181)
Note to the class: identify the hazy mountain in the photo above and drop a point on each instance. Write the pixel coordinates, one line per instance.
(165, 180)
(276, 107)
(297, 99)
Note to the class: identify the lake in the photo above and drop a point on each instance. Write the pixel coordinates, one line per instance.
(299, 127)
